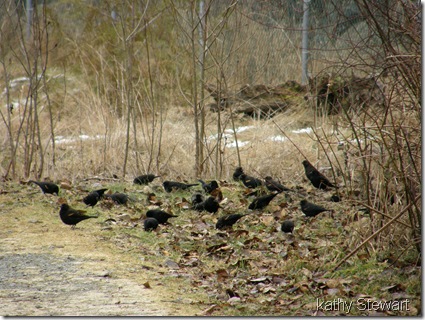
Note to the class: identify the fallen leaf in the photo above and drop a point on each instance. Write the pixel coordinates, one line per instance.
(307, 273)
(239, 232)
(217, 194)
(393, 288)
(252, 240)
(153, 200)
(267, 220)
(260, 279)
(66, 186)
(218, 247)
(279, 280)
(171, 264)
(332, 291)
(362, 256)
(268, 289)
(62, 200)
(234, 300)
(209, 310)
(333, 283)
(222, 275)
(124, 217)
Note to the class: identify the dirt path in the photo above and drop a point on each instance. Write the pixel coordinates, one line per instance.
(47, 269)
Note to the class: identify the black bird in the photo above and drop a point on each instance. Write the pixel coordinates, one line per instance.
(101, 192)
(250, 182)
(93, 197)
(170, 185)
(161, 216)
(118, 198)
(262, 202)
(210, 204)
(150, 224)
(273, 185)
(237, 173)
(335, 198)
(287, 226)
(72, 216)
(311, 209)
(47, 187)
(145, 178)
(228, 221)
(197, 198)
(318, 180)
(209, 187)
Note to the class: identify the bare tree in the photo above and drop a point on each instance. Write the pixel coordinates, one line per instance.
(32, 58)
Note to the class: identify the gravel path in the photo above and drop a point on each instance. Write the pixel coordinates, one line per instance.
(40, 284)
(47, 269)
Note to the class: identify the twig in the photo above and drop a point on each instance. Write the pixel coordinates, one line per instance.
(281, 130)
(405, 249)
(382, 214)
(101, 179)
(376, 233)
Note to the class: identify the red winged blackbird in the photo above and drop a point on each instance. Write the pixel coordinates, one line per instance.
(228, 221)
(318, 180)
(287, 226)
(170, 185)
(311, 209)
(93, 197)
(71, 216)
(250, 182)
(273, 185)
(262, 202)
(237, 173)
(209, 187)
(161, 216)
(47, 187)
(150, 224)
(118, 198)
(145, 178)
(210, 204)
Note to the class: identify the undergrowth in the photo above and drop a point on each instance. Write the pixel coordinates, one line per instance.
(253, 269)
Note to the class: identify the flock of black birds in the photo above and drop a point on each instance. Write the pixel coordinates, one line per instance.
(211, 203)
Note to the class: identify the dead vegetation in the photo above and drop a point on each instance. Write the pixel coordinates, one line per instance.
(253, 268)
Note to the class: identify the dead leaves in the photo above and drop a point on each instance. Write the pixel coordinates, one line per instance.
(253, 267)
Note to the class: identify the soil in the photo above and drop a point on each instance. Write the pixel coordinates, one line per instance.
(48, 269)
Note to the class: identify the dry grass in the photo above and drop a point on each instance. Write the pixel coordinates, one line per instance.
(90, 140)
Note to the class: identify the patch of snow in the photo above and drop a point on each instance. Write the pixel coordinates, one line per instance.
(233, 144)
(277, 138)
(64, 140)
(303, 130)
(14, 82)
(240, 129)
(215, 136)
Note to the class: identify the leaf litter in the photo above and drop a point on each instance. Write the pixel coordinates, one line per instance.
(253, 268)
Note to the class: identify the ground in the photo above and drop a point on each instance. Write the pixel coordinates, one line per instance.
(110, 266)
(48, 269)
